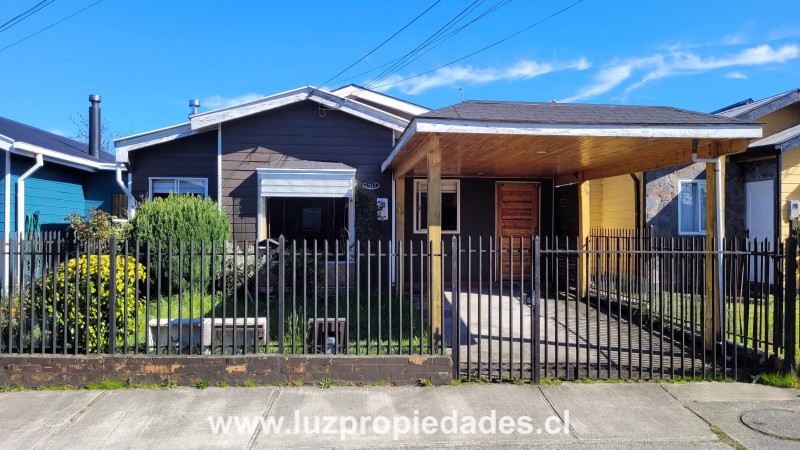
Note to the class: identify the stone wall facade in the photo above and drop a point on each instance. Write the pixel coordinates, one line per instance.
(79, 371)
(661, 195)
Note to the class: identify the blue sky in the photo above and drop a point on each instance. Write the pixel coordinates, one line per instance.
(148, 58)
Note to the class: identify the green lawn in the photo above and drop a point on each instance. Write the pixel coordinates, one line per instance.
(385, 337)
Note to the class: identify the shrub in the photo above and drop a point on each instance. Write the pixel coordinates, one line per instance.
(75, 300)
(98, 225)
(188, 219)
(367, 210)
(244, 267)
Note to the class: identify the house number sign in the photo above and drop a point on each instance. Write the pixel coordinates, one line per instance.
(371, 185)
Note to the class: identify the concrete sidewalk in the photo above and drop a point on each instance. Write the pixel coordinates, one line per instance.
(705, 415)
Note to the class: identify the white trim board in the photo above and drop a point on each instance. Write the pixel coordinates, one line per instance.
(211, 118)
(376, 97)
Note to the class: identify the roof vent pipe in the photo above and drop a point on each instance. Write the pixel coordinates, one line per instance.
(194, 105)
(94, 126)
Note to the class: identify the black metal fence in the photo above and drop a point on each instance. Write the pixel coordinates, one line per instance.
(67, 297)
(618, 306)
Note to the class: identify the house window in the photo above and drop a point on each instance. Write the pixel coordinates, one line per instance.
(451, 202)
(692, 207)
(161, 187)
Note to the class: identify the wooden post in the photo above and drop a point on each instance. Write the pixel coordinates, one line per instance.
(399, 224)
(434, 212)
(712, 266)
(584, 225)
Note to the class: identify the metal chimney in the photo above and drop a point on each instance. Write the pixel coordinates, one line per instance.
(194, 105)
(94, 126)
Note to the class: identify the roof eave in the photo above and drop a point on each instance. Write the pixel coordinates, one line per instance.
(30, 150)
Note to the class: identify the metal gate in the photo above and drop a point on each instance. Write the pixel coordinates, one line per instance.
(620, 306)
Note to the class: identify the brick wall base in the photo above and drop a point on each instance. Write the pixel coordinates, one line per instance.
(78, 371)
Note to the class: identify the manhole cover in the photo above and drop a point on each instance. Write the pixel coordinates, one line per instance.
(779, 423)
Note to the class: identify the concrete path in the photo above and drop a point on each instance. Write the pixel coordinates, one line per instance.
(602, 415)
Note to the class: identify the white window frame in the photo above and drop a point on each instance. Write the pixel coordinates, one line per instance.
(176, 181)
(702, 224)
(448, 185)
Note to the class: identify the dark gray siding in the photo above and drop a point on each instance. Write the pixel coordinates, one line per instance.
(478, 215)
(565, 211)
(304, 131)
(192, 156)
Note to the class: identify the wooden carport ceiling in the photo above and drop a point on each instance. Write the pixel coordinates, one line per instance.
(525, 156)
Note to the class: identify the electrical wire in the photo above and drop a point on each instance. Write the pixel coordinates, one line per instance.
(430, 46)
(443, 39)
(388, 72)
(49, 26)
(22, 16)
(382, 43)
(480, 50)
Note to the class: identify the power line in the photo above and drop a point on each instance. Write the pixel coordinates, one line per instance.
(24, 15)
(382, 43)
(466, 11)
(432, 45)
(439, 41)
(484, 48)
(49, 26)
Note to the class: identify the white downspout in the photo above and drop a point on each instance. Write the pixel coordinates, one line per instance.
(21, 195)
(7, 222)
(718, 200)
(391, 215)
(219, 170)
(131, 200)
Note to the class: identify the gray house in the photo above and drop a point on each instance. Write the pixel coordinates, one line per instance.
(285, 165)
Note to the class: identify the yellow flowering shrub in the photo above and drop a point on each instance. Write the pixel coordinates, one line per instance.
(82, 309)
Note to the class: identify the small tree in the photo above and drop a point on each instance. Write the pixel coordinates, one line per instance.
(107, 135)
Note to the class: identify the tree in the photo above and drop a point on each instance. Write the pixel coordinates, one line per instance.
(107, 134)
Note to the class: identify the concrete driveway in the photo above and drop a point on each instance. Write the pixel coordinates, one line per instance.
(495, 336)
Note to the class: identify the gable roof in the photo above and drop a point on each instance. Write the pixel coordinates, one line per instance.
(209, 120)
(750, 110)
(27, 140)
(553, 113)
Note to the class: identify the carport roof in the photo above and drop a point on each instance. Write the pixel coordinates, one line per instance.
(544, 140)
(575, 113)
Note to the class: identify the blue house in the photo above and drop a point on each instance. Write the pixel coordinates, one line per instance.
(46, 176)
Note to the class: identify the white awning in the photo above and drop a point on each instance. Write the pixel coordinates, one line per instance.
(286, 182)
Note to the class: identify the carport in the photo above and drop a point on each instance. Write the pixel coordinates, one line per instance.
(568, 143)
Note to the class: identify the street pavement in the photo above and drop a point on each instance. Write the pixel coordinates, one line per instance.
(496, 416)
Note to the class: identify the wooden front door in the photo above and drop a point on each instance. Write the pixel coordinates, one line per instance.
(517, 223)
